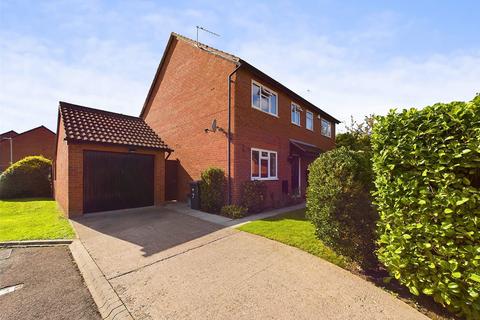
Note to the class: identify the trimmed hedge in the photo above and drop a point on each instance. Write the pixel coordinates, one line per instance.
(212, 190)
(253, 195)
(427, 167)
(27, 178)
(339, 203)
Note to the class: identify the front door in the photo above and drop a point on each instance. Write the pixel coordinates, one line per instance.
(296, 176)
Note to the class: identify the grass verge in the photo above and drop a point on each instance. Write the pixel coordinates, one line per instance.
(292, 228)
(295, 230)
(32, 219)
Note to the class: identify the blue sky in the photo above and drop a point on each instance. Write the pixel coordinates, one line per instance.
(347, 57)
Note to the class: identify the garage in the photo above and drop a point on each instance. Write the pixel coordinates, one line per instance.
(106, 161)
(115, 181)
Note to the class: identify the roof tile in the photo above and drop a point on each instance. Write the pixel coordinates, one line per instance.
(94, 125)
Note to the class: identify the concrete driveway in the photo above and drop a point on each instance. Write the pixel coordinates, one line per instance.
(167, 265)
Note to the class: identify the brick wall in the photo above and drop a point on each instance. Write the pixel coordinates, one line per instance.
(38, 141)
(60, 170)
(256, 129)
(190, 92)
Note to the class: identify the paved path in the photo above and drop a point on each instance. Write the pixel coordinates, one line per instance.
(167, 265)
(48, 285)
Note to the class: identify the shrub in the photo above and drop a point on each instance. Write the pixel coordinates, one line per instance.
(253, 195)
(233, 211)
(426, 164)
(212, 190)
(339, 203)
(29, 177)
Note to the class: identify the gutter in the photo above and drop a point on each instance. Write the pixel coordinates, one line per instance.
(229, 136)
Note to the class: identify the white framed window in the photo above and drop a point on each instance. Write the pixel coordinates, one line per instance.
(309, 120)
(296, 113)
(263, 164)
(264, 99)
(326, 128)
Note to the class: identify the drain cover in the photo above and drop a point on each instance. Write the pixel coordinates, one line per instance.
(10, 289)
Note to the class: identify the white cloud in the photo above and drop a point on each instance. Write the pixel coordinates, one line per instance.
(33, 81)
(112, 54)
(337, 80)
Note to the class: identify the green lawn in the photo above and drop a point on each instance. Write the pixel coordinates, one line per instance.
(32, 219)
(295, 230)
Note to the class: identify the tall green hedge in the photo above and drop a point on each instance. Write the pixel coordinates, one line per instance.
(212, 190)
(29, 177)
(339, 203)
(427, 168)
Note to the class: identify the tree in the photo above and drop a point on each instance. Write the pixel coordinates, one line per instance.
(358, 135)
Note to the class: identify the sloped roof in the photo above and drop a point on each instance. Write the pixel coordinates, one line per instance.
(88, 125)
(307, 148)
(237, 61)
(8, 134)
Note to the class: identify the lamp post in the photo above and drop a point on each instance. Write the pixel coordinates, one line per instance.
(11, 151)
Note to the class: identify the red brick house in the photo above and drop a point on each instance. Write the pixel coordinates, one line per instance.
(265, 131)
(106, 161)
(34, 142)
(274, 133)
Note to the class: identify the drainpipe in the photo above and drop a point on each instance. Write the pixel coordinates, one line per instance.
(11, 151)
(229, 136)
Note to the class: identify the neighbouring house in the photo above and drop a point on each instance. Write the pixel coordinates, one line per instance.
(274, 133)
(106, 161)
(39, 141)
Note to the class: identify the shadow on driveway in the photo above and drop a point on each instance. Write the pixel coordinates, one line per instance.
(124, 241)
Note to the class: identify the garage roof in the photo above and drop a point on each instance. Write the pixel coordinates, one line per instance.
(88, 125)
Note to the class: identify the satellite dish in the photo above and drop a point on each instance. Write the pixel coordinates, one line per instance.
(214, 125)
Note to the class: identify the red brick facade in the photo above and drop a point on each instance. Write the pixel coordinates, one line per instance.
(257, 129)
(191, 90)
(34, 142)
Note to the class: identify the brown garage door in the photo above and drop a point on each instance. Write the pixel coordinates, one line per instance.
(117, 181)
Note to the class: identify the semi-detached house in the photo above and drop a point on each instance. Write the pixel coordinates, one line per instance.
(265, 131)
(274, 133)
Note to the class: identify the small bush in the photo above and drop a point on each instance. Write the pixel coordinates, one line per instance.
(234, 211)
(339, 203)
(27, 178)
(253, 195)
(212, 190)
(426, 164)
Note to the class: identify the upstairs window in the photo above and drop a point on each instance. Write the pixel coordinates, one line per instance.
(264, 99)
(309, 120)
(264, 165)
(296, 114)
(326, 128)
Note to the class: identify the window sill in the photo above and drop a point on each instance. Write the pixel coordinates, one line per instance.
(264, 179)
(270, 114)
(298, 125)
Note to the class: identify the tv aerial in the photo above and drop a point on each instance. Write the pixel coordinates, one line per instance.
(207, 31)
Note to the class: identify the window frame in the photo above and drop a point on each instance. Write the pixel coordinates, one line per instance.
(260, 157)
(267, 89)
(321, 127)
(297, 109)
(306, 120)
